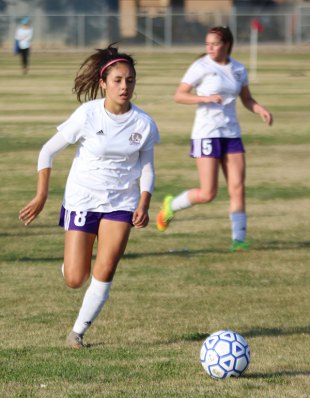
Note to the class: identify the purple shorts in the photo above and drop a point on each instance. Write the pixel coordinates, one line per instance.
(88, 221)
(215, 147)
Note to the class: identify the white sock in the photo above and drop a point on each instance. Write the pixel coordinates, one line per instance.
(95, 297)
(238, 226)
(181, 202)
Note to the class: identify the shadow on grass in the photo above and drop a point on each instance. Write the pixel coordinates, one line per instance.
(276, 331)
(26, 259)
(259, 332)
(273, 245)
(276, 245)
(182, 253)
(275, 375)
(96, 345)
(129, 256)
(283, 245)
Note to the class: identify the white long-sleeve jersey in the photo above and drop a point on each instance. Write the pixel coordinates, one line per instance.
(114, 160)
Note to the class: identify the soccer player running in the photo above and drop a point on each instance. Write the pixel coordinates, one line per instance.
(110, 184)
(216, 140)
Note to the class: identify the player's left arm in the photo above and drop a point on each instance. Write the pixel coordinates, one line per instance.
(140, 217)
(147, 180)
(249, 102)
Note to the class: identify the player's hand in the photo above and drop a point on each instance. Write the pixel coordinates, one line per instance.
(214, 98)
(140, 218)
(267, 117)
(32, 210)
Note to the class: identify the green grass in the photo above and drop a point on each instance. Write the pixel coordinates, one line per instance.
(171, 289)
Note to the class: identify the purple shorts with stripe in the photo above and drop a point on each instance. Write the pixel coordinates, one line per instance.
(88, 221)
(215, 147)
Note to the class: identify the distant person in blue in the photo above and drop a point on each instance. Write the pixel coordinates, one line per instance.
(23, 38)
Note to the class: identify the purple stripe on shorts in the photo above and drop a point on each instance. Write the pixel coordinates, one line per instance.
(88, 221)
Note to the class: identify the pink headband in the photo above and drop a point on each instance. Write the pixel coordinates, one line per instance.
(111, 63)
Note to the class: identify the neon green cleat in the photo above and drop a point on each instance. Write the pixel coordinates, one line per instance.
(239, 246)
(165, 215)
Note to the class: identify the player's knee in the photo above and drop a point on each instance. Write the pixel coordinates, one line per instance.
(105, 271)
(207, 196)
(75, 281)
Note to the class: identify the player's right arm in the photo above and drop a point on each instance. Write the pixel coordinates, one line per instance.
(28, 213)
(193, 77)
(35, 206)
(185, 96)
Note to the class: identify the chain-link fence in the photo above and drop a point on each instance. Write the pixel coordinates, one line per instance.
(64, 31)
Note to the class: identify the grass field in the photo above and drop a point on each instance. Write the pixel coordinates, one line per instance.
(172, 289)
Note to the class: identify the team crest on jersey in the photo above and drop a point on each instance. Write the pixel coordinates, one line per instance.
(135, 138)
(237, 75)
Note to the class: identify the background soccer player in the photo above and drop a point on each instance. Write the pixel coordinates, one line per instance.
(216, 137)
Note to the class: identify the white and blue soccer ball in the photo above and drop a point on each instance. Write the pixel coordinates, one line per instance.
(225, 354)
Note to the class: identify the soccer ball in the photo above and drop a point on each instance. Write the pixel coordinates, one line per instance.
(225, 354)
